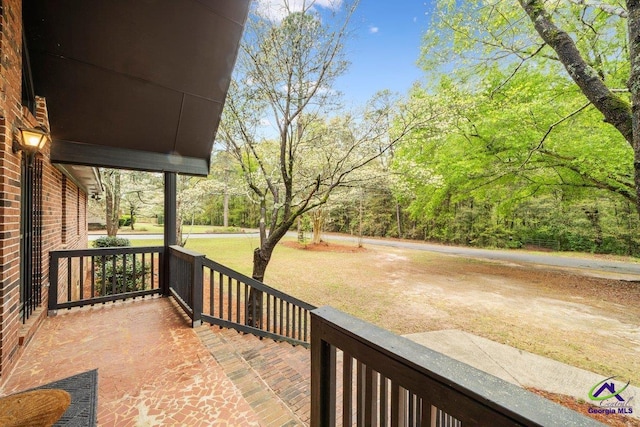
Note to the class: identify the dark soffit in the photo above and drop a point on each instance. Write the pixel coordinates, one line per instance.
(125, 78)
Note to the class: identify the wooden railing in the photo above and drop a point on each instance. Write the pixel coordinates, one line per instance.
(93, 276)
(185, 281)
(364, 375)
(218, 295)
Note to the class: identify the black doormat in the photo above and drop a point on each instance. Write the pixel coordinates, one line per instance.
(83, 389)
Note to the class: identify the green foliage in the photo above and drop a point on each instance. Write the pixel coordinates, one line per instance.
(124, 221)
(109, 242)
(517, 154)
(127, 279)
(116, 274)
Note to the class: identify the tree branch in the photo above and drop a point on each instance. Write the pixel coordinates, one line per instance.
(615, 110)
(608, 8)
(550, 129)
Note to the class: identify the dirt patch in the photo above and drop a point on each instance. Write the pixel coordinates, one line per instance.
(588, 322)
(324, 247)
(583, 407)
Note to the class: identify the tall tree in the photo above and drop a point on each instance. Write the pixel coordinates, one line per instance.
(284, 74)
(111, 180)
(597, 44)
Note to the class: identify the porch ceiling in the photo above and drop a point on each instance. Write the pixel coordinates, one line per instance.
(134, 84)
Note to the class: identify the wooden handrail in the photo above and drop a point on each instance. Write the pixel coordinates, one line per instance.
(416, 381)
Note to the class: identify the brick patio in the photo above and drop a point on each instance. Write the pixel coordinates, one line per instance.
(153, 369)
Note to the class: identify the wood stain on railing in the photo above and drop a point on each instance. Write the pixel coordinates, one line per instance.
(364, 375)
(92, 276)
(218, 295)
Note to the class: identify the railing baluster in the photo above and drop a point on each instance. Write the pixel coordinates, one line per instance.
(246, 307)
(252, 295)
(81, 278)
(155, 283)
(238, 312)
(229, 300)
(144, 272)
(136, 285)
(371, 396)
(384, 408)
(124, 273)
(220, 295)
(360, 397)
(93, 277)
(268, 313)
(306, 326)
(260, 307)
(211, 291)
(281, 310)
(288, 320)
(347, 390)
(69, 274)
(395, 405)
(293, 322)
(113, 275)
(413, 408)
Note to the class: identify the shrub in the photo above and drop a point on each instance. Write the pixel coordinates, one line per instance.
(126, 279)
(110, 242)
(124, 221)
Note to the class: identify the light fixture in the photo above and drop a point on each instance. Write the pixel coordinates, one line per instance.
(31, 140)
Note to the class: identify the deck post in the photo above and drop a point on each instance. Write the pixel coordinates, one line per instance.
(196, 291)
(170, 223)
(53, 285)
(323, 377)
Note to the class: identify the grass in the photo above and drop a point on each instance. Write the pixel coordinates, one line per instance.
(141, 228)
(577, 320)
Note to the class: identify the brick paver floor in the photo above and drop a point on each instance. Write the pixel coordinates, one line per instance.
(152, 367)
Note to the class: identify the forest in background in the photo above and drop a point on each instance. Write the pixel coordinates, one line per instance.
(504, 149)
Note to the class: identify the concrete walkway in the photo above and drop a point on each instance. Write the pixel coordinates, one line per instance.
(520, 367)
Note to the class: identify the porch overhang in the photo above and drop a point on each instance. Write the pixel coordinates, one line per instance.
(134, 84)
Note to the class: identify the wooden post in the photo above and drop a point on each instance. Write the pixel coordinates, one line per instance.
(53, 285)
(170, 222)
(323, 378)
(196, 291)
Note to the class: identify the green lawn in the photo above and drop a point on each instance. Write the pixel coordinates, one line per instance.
(194, 229)
(408, 291)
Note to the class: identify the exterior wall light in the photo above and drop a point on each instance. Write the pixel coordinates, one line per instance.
(31, 140)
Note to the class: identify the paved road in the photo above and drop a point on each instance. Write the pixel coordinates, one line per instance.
(599, 267)
(602, 265)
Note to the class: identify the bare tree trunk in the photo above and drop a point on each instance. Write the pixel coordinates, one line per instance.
(300, 230)
(225, 200)
(261, 258)
(615, 110)
(318, 224)
(111, 180)
(633, 25)
(178, 224)
(594, 217)
(399, 218)
(360, 222)
(225, 209)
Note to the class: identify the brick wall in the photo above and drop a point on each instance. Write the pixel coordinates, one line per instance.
(13, 116)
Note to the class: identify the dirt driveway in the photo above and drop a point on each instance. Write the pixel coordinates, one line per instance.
(589, 322)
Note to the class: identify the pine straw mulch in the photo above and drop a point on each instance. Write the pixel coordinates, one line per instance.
(324, 247)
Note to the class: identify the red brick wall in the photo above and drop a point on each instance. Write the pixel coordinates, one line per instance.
(13, 116)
